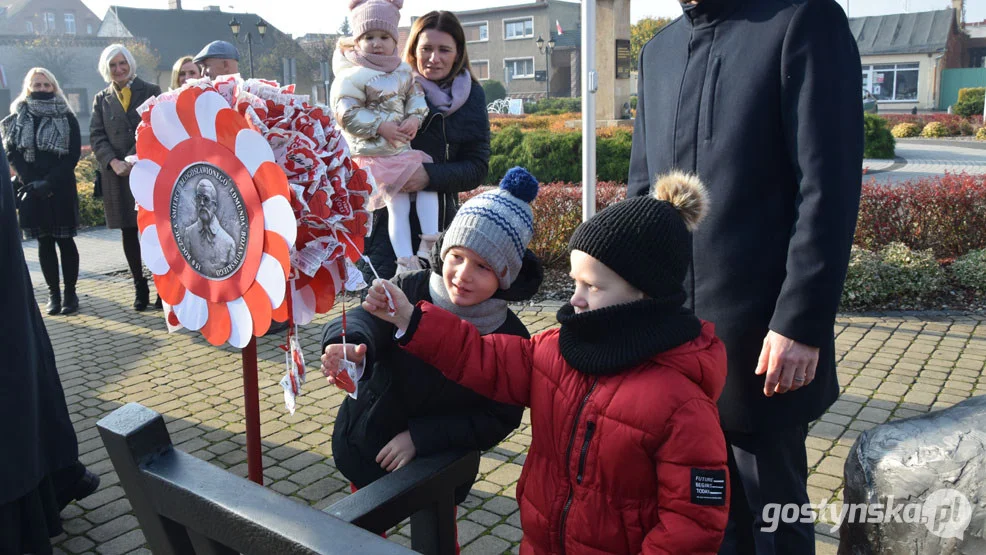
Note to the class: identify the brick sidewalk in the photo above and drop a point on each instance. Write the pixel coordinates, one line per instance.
(890, 366)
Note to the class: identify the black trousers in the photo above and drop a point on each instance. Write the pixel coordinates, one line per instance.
(767, 467)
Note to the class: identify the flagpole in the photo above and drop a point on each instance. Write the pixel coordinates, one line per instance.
(590, 84)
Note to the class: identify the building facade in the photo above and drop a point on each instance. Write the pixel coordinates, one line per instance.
(176, 32)
(903, 56)
(502, 47)
(47, 17)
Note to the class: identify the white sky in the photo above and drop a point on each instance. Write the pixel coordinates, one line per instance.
(324, 16)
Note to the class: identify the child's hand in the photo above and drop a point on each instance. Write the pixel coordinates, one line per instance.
(378, 303)
(397, 453)
(392, 132)
(410, 127)
(333, 356)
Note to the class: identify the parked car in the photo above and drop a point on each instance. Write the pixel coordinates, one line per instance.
(869, 102)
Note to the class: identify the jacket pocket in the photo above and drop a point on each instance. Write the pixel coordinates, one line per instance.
(711, 89)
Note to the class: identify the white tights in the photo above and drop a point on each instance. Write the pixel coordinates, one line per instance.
(399, 219)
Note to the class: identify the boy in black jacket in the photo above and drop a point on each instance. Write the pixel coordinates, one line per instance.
(406, 408)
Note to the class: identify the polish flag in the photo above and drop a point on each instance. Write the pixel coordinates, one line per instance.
(558, 27)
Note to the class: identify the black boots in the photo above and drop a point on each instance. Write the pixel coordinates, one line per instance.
(71, 302)
(54, 305)
(142, 296)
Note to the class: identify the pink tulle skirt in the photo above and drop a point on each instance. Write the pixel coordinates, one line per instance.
(390, 173)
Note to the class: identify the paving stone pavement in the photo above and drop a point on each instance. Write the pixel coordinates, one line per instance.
(890, 366)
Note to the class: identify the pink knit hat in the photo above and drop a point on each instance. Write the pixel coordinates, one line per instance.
(375, 15)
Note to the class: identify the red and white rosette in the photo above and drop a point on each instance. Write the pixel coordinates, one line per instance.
(196, 133)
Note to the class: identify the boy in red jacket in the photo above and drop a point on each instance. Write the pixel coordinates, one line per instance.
(626, 452)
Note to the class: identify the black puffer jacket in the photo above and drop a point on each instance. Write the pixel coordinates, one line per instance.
(459, 144)
(398, 392)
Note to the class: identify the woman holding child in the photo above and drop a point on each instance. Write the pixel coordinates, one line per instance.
(455, 133)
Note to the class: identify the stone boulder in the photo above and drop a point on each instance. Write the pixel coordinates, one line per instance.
(918, 486)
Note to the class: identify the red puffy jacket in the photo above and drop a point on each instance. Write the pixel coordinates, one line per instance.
(628, 463)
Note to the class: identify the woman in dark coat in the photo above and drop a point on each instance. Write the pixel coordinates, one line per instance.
(40, 472)
(456, 133)
(42, 141)
(111, 133)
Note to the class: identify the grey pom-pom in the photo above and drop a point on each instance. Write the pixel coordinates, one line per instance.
(686, 193)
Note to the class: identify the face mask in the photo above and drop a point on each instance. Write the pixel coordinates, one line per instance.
(38, 95)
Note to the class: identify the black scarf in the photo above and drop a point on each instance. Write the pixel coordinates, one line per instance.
(39, 122)
(608, 340)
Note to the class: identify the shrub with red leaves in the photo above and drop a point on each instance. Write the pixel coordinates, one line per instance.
(557, 212)
(944, 213)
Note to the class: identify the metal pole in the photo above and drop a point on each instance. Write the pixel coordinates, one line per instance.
(547, 68)
(250, 52)
(590, 83)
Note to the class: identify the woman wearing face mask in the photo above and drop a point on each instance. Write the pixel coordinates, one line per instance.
(111, 133)
(455, 133)
(42, 141)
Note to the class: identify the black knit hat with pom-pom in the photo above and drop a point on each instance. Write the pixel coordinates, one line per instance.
(646, 240)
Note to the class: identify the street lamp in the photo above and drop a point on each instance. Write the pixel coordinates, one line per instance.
(234, 26)
(546, 50)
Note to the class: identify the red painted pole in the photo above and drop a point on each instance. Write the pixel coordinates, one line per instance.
(251, 402)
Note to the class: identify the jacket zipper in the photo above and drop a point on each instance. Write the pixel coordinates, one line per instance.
(590, 427)
(568, 456)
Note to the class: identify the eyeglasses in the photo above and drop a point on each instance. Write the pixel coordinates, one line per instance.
(203, 199)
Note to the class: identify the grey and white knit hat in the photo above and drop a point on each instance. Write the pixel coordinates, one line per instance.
(497, 225)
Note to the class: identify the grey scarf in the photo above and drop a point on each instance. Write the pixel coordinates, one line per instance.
(52, 132)
(487, 316)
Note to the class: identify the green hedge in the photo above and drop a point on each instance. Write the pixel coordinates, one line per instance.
(553, 156)
(970, 270)
(970, 102)
(879, 142)
(494, 91)
(895, 273)
(550, 106)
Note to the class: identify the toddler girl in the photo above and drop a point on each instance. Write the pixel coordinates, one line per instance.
(380, 108)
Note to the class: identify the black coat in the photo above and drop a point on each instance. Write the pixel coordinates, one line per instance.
(38, 437)
(112, 136)
(61, 210)
(399, 392)
(460, 147)
(761, 99)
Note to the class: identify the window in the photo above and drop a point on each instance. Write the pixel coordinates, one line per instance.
(30, 27)
(69, 23)
(892, 82)
(78, 100)
(518, 28)
(519, 68)
(481, 69)
(477, 32)
(88, 28)
(49, 19)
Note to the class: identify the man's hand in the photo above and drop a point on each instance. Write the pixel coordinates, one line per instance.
(333, 356)
(378, 300)
(397, 453)
(120, 167)
(392, 132)
(410, 127)
(417, 181)
(789, 365)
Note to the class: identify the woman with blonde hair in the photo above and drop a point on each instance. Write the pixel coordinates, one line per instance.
(111, 134)
(183, 70)
(42, 140)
